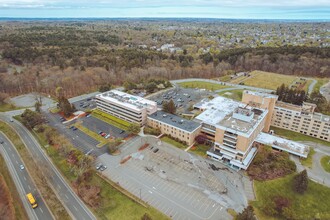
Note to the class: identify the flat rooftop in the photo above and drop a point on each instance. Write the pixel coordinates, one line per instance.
(261, 94)
(283, 144)
(223, 112)
(131, 101)
(175, 121)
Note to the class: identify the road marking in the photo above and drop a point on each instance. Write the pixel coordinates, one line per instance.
(24, 178)
(75, 207)
(66, 196)
(41, 210)
(154, 187)
(213, 205)
(12, 155)
(59, 186)
(150, 191)
(29, 187)
(16, 162)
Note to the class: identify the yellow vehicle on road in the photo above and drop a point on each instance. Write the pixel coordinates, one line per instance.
(32, 200)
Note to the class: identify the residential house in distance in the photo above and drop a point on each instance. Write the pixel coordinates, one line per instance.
(128, 107)
(175, 126)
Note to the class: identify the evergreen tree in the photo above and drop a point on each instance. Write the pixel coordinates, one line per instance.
(300, 182)
(169, 107)
(247, 214)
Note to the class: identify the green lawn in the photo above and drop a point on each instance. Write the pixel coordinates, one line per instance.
(320, 83)
(295, 136)
(199, 149)
(119, 123)
(315, 201)
(202, 85)
(232, 94)
(325, 162)
(268, 80)
(20, 212)
(308, 162)
(173, 142)
(8, 107)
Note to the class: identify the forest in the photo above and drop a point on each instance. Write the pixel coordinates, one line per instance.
(84, 56)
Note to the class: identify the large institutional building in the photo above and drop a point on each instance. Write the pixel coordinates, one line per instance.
(175, 126)
(238, 128)
(234, 129)
(125, 106)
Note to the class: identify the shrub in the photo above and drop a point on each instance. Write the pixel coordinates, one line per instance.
(247, 214)
(201, 139)
(300, 182)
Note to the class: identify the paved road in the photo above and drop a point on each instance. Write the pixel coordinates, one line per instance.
(76, 208)
(311, 86)
(23, 181)
(222, 83)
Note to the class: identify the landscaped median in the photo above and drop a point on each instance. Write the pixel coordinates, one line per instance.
(103, 141)
(325, 162)
(119, 123)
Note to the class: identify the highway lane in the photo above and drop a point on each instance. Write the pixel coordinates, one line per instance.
(76, 208)
(23, 181)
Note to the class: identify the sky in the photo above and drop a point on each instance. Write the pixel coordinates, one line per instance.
(237, 9)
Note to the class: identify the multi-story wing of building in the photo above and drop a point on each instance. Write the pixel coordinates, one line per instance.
(302, 119)
(125, 106)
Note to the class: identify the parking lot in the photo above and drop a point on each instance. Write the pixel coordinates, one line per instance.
(85, 104)
(177, 183)
(78, 138)
(96, 125)
(182, 97)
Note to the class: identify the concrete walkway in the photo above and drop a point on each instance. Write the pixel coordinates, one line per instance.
(316, 173)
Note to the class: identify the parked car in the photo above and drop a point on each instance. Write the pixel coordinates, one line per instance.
(100, 132)
(156, 150)
(103, 167)
(103, 134)
(107, 136)
(122, 131)
(1, 141)
(88, 115)
(98, 166)
(75, 128)
(21, 167)
(89, 99)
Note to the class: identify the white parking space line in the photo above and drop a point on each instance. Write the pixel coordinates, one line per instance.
(29, 187)
(42, 211)
(66, 196)
(75, 207)
(16, 162)
(24, 178)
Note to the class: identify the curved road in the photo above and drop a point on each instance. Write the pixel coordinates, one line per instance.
(76, 208)
(23, 181)
(222, 83)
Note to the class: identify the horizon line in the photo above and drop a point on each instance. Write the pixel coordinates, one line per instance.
(202, 18)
